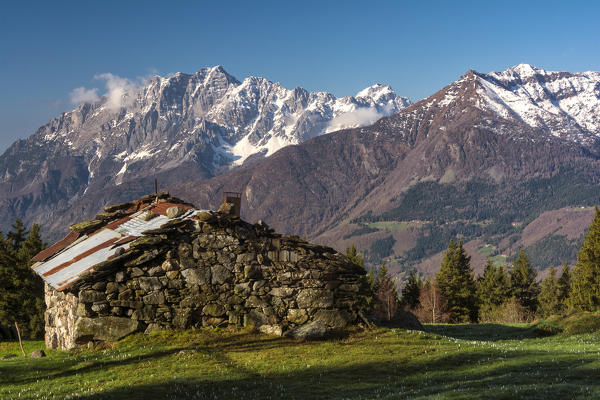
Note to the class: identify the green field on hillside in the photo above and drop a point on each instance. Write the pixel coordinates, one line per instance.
(396, 226)
(446, 362)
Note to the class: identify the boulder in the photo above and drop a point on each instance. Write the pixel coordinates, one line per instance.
(106, 329)
(37, 354)
(312, 330)
(154, 328)
(297, 316)
(274, 330)
(333, 318)
(213, 310)
(255, 318)
(176, 211)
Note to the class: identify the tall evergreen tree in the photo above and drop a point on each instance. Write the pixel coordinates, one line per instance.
(492, 290)
(523, 284)
(372, 280)
(355, 256)
(585, 287)
(564, 287)
(412, 290)
(456, 283)
(387, 295)
(21, 290)
(549, 298)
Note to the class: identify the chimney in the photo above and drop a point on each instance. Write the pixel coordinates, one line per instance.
(235, 199)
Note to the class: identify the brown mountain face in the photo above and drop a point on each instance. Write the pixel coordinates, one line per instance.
(445, 166)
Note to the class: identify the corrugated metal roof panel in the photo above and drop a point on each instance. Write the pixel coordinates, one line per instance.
(63, 267)
(56, 247)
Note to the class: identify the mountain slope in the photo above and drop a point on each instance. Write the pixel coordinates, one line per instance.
(176, 129)
(464, 162)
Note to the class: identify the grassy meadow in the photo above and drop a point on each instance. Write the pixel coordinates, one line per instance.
(485, 361)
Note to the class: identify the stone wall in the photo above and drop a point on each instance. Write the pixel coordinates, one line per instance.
(214, 270)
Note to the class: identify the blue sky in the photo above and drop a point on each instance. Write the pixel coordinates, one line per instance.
(49, 48)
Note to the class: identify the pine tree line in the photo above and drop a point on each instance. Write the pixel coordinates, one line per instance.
(21, 290)
(500, 294)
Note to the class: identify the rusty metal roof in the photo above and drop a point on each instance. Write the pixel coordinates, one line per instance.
(62, 264)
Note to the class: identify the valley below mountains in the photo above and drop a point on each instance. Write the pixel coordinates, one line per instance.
(503, 161)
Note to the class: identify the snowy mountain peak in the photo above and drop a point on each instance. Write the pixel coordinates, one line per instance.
(206, 121)
(563, 104)
(375, 91)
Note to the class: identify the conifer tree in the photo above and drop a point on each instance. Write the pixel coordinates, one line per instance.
(492, 290)
(523, 284)
(585, 285)
(355, 256)
(456, 283)
(387, 294)
(549, 298)
(564, 287)
(382, 272)
(412, 290)
(372, 280)
(21, 290)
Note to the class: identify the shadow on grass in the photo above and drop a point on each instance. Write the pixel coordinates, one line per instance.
(481, 332)
(80, 363)
(523, 375)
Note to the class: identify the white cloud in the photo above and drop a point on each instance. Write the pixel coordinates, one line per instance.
(119, 91)
(83, 95)
(353, 119)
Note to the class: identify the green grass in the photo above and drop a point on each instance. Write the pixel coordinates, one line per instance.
(571, 324)
(486, 250)
(500, 259)
(394, 226)
(485, 361)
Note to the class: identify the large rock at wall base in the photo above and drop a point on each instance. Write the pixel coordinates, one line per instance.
(333, 318)
(274, 330)
(312, 330)
(313, 298)
(297, 316)
(106, 329)
(255, 318)
(214, 310)
(154, 328)
(182, 318)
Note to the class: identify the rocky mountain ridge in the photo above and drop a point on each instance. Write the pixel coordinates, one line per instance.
(176, 128)
(465, 162)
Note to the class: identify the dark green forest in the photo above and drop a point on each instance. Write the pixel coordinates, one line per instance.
(21, 290)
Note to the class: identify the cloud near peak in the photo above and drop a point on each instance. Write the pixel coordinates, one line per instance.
(357, 118)
(119, 91)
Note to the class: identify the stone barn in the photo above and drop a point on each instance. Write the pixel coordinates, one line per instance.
(159, 263)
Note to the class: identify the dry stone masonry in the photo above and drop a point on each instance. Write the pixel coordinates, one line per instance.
(211, 270)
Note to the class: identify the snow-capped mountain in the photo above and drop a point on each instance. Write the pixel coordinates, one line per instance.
(559, 105)
(176, 128)
(478, 160)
